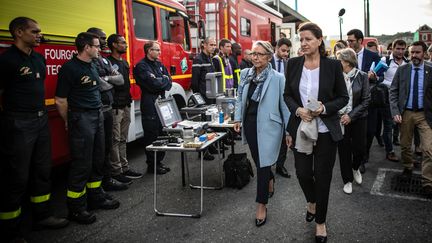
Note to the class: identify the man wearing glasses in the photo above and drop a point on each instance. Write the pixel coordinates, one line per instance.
(153, 79)
(78, 101)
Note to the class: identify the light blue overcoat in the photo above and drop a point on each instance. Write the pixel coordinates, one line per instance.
(272, 117)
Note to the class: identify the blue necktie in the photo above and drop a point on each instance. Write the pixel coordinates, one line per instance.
(415, 90)
(279, 65)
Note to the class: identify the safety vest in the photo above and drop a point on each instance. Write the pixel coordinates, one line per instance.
(224, 76)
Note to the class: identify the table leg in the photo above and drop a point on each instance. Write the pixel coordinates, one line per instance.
(158, 213)
(183, 168)
(220, 172)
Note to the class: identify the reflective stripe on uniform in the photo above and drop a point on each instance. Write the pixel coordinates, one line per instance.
(237, 72)
(224, 77)
(10, 215)
(72, 194)
(40, 199)
(94, 184)
(201, 65)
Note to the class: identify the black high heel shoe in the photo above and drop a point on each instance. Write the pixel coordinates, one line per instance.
(261, 222)
(270, 195)
(309, 216)
(320, 239)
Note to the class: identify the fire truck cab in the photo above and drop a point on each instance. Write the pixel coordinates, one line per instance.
(138, 21)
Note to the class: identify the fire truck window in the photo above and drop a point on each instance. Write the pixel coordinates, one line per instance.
(144, 21)
(174, 29)
(245, 27)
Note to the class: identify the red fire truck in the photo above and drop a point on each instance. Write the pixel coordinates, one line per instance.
(165, 21)
(241, 21)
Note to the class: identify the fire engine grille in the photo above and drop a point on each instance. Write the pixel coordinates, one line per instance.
(408, 185)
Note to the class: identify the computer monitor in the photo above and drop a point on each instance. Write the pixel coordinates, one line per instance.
(168, 111)
(214, 85)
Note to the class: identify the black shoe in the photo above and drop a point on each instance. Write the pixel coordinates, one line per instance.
(83, 217)
(362, 168)
(281, 170)
(261, 222)
(18, 240)
(132, 174)
(51, 223)
(309, 216)
(103, 203)
(407, 172)
(320, 239)
(159, 170)
(114, 185)
(122, 178)
(164, 166)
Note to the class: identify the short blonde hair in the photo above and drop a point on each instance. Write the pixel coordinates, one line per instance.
(347, 55)
(264, 44)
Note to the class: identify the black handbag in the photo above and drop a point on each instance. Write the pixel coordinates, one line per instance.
(238, 170)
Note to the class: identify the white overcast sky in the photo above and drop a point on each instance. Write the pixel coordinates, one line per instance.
(386, 16)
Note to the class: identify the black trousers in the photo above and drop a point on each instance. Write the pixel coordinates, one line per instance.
(108, 131)
(314, 173)
(152, 129)
(352, 149)
(264, 174)
(87, 146)
(25, 155)
(282, 153)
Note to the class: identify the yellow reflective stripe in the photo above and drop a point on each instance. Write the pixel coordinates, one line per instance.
(228, 76)
(72, 194)
(49, 102)
(223, 73)
(174, 77)
(40, 199)
(237, 72)
(94, 184)
(10, 215)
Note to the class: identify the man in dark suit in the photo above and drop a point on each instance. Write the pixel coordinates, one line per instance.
(365, 58)
(411, 106)
(279, 61)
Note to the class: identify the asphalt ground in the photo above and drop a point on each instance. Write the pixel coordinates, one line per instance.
(372, 213)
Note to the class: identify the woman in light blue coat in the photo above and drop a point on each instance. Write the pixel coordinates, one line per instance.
(263, 114)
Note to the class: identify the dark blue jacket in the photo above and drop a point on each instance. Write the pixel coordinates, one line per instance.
(368, 58)
(153, 79)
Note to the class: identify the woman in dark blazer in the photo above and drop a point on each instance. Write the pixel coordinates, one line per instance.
(314, 76)
(352, 148)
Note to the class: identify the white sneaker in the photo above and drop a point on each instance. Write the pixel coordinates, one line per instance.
(348, 188)
(357, 177)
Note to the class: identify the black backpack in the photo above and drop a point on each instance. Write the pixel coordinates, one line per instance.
(238, 170)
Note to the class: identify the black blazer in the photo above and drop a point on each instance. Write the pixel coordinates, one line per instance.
(332, 93)
(361, 96)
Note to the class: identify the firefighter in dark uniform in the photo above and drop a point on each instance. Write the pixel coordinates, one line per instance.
(202, 65)
(79, 103)
(110, 78)
(153, 79)
(236, 51)
(25, 144)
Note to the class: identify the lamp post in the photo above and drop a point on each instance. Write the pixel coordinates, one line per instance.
(341, 13)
